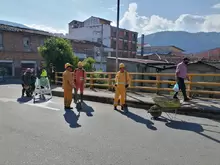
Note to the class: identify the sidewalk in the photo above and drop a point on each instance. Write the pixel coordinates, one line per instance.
(203, 106)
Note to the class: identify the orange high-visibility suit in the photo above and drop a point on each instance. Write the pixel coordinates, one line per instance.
(121, 80)
(68, 85)
(80, 79)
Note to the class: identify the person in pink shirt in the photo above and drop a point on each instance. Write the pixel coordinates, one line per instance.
(181, 74)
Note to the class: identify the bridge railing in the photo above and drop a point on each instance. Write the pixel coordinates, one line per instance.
(152, 82)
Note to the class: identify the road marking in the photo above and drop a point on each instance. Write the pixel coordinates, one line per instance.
(40, 105)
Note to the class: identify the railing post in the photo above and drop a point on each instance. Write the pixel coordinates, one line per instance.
(131, 77)
(91, 81)
(190, 86)
(158, 84)
(109, 82)
(56, 78)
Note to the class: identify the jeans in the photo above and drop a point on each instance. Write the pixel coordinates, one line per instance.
(182, 87)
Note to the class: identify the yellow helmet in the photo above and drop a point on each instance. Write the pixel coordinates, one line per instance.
(67, 65)
(80, 64)
(121, 65)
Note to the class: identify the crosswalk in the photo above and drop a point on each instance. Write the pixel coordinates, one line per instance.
(50, 105)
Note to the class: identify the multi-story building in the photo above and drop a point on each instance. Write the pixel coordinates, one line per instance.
(19, 48)
(99, 30)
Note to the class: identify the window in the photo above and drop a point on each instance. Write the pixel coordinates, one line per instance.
(134, 37)
(99, 40)
(26, 43)
(7, 67)
(126, 34)
(114, 44)
(134, 47)
(41, 42)
(125, 45)
(1, 41)
(113, 32)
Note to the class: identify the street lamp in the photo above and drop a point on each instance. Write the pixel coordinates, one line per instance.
(117, 33)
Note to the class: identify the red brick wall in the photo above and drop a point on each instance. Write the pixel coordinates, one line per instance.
(121, 33)
(130, 36)
(121, 44)
(14, 41)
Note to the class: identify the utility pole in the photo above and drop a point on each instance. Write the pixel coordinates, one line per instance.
(117, 33)
(102, 48)
(142, 45)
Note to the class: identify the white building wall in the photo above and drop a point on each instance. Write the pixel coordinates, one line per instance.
(92, 33)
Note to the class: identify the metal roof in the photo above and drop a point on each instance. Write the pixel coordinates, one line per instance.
(143, 61)
(15, 27)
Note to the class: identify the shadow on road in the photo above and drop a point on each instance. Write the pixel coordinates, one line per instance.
(88, 110)
(138, 119)
(71, 118)
(22, 100)
(188, 126)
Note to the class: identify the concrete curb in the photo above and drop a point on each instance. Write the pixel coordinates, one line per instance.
(213, 114)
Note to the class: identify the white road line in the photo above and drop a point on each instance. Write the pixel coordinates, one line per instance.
(40, 105)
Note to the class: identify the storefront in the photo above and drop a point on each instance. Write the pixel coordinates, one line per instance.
(7, 66)
(28, 64)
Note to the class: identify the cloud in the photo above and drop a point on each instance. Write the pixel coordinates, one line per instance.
(47, 28)
(216, 6)
(114, 8)
(186, 22)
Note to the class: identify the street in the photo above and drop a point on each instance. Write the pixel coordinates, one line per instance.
(44, 134)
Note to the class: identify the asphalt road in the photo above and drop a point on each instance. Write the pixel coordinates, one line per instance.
(44, 134)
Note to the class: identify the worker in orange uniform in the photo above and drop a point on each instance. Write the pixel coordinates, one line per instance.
(68, 85)
(122, 81)
(80, 81)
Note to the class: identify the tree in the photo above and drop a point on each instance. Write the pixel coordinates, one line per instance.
(58, 51)
(88, 64)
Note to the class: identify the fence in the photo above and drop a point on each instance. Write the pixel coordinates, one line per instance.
(106, 80)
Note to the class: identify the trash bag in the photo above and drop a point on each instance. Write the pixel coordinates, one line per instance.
(176, 88)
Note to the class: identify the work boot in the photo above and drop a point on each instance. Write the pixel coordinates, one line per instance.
(81, 97)
(122, 107)
(75, 98)
(175, 97)
(186, 99)
(68, 107)
(23, 90)
(115, 108)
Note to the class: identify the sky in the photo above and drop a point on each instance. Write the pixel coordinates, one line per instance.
(143, 16)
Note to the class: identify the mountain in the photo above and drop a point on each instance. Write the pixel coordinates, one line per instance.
(190, 42)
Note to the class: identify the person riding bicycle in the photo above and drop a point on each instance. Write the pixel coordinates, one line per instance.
(28, 79)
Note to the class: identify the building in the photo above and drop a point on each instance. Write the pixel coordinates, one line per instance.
(209, 55)
(19, 48)
(171, 53)
(134, 65)
(99, 30)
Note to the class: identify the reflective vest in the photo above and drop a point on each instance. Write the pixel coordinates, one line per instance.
(43, 73)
